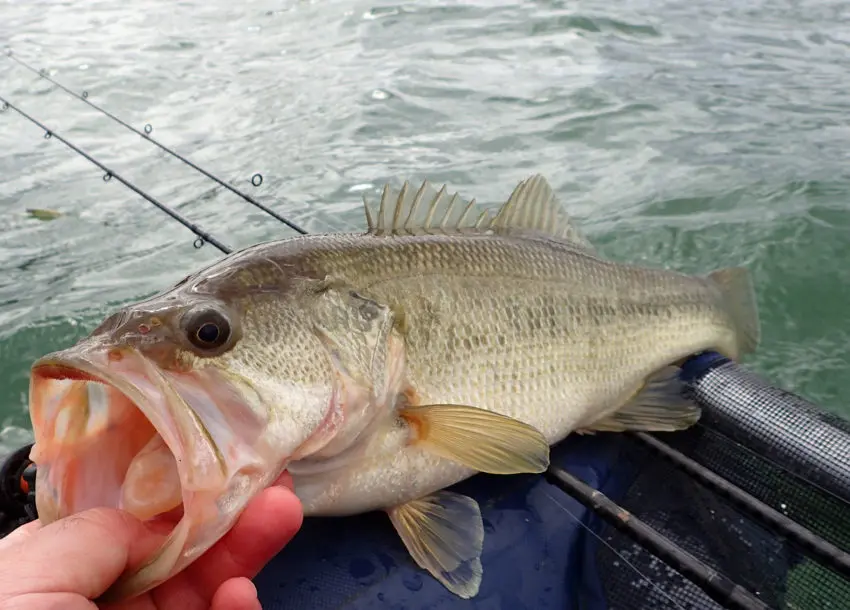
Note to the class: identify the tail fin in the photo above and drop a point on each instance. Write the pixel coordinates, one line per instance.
(739, 298)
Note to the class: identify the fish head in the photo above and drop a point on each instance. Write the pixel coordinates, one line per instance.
(181, 408)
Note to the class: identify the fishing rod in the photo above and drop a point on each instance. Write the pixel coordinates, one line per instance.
(17, 473)
(109, 174)
(717, 586)
(256, 179)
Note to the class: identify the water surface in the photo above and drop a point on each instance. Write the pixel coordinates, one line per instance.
(680, 134)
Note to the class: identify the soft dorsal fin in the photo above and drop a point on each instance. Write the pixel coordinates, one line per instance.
(424, 211)
(533, 207)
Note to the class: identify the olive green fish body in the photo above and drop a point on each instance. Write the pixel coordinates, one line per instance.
(529, 328)
(379, 369)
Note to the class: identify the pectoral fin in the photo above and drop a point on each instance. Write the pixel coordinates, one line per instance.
(480, 439)
(444, 534)
(659, 406)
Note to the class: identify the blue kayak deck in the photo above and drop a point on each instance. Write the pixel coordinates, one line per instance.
(536, 553)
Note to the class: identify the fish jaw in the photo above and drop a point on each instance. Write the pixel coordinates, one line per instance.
(182, 451)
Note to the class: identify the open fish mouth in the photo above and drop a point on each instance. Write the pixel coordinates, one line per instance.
(179, 450)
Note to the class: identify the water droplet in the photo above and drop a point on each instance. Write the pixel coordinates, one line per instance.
(380, 94)
(380, 597)
(534, 514)
(412, 581)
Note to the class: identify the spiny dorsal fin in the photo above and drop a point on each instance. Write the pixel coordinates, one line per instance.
(424, 211)
(533, 206)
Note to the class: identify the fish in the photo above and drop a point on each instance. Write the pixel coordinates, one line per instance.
(43, 214)
(379, 368)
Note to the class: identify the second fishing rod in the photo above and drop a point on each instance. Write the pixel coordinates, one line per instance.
(256, 179)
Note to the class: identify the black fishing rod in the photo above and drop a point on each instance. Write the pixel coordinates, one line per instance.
(256, 179)
(109, 174)
(717, 586)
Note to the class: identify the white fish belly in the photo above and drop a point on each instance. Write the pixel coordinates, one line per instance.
(401, 472)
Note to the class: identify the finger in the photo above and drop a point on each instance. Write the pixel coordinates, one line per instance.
(285, 480)
(86, 553)
(49, 601)
(236, 594)
(20, 534)
(264, 528)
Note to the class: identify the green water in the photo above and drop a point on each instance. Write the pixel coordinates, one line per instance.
(681, 134)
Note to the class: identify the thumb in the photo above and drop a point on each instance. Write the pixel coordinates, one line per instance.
(83, 554)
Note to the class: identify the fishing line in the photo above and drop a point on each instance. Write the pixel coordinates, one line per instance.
(109, 174)
(256, 179)
(717, 586)
(619, 555)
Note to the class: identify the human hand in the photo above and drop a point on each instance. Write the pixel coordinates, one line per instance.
(70, 562)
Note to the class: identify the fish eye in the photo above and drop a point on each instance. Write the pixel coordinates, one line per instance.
(208, 329)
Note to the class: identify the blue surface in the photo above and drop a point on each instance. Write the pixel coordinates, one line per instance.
(536, 554)
(697, 366)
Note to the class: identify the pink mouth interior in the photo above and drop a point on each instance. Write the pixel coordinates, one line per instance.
(95, 447)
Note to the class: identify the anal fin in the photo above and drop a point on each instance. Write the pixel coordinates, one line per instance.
(444, 533)
(659, 406)
(479, 439)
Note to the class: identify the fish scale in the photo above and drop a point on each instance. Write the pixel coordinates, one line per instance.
(576, 334)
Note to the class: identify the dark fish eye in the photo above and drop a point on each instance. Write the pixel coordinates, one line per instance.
(208, 329)
(208, 333)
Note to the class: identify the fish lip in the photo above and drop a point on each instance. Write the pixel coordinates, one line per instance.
(155, 404)
(59, 367)
(126, 369)
(205, 479)
(93, 365)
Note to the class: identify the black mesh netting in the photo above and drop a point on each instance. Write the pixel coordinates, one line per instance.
(712, 529)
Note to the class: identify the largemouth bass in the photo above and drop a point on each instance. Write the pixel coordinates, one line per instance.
(379, 369)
